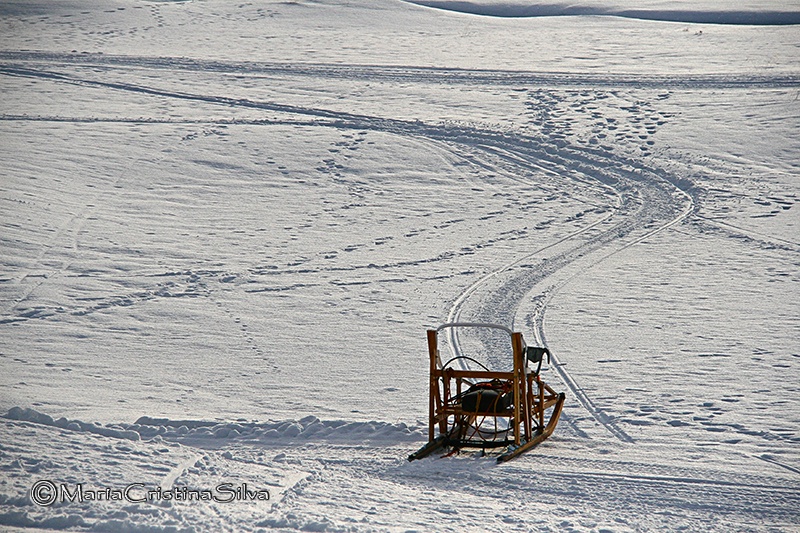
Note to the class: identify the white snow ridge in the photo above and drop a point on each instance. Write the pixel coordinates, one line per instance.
(226, 226)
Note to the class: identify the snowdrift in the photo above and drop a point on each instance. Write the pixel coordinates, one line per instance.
(306, 429)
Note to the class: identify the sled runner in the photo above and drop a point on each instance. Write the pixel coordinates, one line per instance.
(485, 409)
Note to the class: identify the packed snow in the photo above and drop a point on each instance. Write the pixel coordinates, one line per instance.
(226, 227)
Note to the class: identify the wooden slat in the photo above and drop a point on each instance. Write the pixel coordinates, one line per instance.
(479, 374)
(520, 403)
(434, 383)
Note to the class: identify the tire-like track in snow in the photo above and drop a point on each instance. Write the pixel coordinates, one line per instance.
(650, 203)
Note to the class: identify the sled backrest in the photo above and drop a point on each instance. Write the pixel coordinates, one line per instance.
(440, 378)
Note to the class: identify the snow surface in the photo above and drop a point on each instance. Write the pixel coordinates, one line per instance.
(227, 225)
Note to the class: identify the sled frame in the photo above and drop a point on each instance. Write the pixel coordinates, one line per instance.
(449, 424)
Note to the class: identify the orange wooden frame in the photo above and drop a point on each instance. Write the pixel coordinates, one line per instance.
(526, 416)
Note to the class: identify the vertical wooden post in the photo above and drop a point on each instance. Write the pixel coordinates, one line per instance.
(516, 346)
(433, 393)
(541, 402)
(531, 402)
(523, 378)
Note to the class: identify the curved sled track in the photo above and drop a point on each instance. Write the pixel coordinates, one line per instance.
(647, 201)
(650, 203)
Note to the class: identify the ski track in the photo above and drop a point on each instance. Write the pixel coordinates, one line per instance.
(633, 184)
(644, 196)
(626, 177)
(397, 73)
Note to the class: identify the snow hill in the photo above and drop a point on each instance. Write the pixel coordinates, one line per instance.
(225, 227)
(696, 12)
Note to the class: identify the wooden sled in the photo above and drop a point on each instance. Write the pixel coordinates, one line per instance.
(486, 409)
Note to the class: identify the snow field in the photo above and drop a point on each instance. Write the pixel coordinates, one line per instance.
(225, 228)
